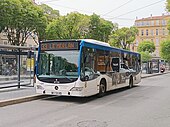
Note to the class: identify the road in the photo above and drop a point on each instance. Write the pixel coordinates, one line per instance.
(146, 105)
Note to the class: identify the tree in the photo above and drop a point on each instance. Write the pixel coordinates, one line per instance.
(168, 10)
(21, 19)
(76, 25)
(50, 13)
(146, 46)
(168, 5)
(145, 56)
(123, 37)
(99, 28)
(165, 50)
(71, 26)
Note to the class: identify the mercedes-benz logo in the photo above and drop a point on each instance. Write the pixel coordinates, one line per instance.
(56, 81)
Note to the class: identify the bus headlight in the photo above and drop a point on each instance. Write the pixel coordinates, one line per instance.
(76, 89)
(40, 87)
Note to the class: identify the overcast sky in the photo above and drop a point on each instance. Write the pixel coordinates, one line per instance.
(123, 12)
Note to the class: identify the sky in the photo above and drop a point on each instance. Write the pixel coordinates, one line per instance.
(123, 12)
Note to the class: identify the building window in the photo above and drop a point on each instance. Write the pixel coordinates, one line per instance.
(142, 32)
(148, 23)
(146, 32)
(157, 22)
(152, 32)
(152, 23)
(157, 32)
(142, 24)
(137, 24)
(163, 22)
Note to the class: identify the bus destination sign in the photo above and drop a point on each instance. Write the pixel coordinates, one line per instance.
(59, 46)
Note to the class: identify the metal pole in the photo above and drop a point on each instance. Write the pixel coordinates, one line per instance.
(30, 70)
(34, 69)
(19, 64)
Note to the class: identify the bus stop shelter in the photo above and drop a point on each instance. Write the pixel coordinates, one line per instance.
(16, 69)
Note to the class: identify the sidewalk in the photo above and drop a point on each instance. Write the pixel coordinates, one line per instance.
(154, 74)
(11, 96)
(10, 93)
(14, 95)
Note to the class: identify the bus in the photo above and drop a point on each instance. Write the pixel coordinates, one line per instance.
(84, 68)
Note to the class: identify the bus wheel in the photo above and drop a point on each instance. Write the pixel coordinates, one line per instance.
(131, 82)
(102, 88)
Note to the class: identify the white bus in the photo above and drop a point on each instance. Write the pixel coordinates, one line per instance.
(84, 67)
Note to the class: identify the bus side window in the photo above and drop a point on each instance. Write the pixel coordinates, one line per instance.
(87, 64)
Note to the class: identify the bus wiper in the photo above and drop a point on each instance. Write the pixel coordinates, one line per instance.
(68, 78)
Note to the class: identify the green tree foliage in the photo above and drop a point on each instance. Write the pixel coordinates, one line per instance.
(71, 26)
(123, 37)
(146, 46)
(168, 5)
(50, 13)
(168, 9)
(145, 56)
(165, 50)
(76, 26)
(99, 28)
(21, 18)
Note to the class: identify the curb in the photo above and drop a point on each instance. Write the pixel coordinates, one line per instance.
(35, 97)
(152, 75)
(20, 100)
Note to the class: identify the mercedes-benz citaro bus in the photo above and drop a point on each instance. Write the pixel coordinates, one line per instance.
(84, 67)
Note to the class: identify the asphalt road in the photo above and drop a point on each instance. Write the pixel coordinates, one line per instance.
(146, 105)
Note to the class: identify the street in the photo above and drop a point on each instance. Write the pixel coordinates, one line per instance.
(145, 105)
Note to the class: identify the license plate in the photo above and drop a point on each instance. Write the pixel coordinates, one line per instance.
(56, 93)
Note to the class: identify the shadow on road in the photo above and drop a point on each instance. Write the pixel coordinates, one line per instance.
(82, 100)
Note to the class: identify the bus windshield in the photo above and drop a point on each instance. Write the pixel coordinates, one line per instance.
(58, 65)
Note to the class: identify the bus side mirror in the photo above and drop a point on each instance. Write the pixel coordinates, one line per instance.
(115, 64)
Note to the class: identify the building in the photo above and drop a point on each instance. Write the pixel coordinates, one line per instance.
(29, 43)
(153, 28)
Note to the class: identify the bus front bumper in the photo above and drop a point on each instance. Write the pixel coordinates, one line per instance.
(50, 90)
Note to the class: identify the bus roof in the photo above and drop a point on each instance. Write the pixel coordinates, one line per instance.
(96, 42)
(104, 46)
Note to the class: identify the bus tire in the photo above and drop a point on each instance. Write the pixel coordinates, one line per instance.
(102, 88)
(131, 82)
